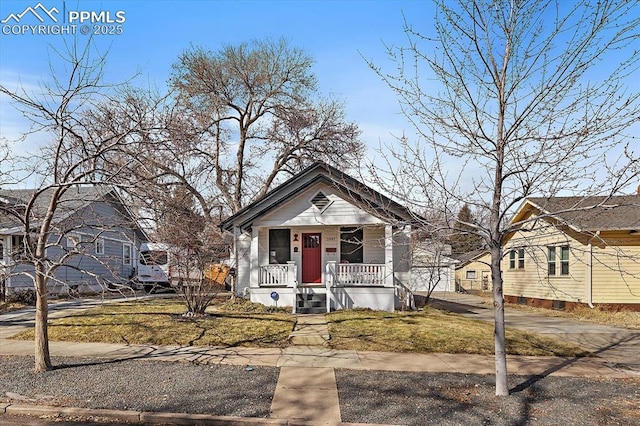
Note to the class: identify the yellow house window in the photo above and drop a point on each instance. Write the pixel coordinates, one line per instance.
(516, 258)
(564, 260)
(551, 261)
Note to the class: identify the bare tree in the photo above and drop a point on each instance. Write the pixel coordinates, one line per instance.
(260, 117)
(512, 99)
(73, 159)
(197, 251)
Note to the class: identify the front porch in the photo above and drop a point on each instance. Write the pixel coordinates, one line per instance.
(343, 286)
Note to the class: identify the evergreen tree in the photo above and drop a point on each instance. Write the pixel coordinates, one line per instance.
(464, 238)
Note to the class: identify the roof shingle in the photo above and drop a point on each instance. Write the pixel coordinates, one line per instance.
(620, 212)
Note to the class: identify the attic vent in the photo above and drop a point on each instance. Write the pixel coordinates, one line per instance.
(320, 201)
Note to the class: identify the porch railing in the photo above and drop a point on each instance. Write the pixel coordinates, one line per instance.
(280, 275)
(360, 274)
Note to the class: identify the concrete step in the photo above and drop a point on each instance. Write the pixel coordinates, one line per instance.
(312, 310)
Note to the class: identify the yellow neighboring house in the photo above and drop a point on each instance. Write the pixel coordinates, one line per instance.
(575, 250)
(473, 273)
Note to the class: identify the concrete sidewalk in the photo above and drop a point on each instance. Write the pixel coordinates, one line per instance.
(307, 366)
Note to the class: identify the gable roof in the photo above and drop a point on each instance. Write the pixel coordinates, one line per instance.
(469, 257)
(72, 200)
(362, 195)
(587, 214)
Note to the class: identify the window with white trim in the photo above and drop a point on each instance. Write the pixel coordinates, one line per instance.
(99, 245)
(127, 253)
(564, 260)
(516, 259)
(521, 258)
(279, 245)
(561, 252)
(551, 261)
(73, 241)
(351, 245)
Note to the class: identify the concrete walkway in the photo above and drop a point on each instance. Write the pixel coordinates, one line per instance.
(306, 391)
(307, 373)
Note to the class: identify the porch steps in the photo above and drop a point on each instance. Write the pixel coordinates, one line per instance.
(310, 330)
(311, 303)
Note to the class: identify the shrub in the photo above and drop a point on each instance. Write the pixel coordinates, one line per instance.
(245, 306)
(26, 297)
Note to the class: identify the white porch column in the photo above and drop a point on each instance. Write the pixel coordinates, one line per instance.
(5, 261)
(388, 255)
(2, 269)
(329, 281)
(292, 277)
(254, 259)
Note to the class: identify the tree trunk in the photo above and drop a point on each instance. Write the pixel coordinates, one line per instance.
(502, 387)
(43, 359)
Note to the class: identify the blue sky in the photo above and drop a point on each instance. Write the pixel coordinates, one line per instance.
(337, 34)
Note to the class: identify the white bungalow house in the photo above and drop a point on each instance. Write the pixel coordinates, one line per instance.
(322, 241)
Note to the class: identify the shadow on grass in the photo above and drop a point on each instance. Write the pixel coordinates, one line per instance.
(218, 329)
(531, 381)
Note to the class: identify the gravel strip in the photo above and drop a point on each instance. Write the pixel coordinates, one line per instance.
(142, 385)
(461, 399)
(365, 396)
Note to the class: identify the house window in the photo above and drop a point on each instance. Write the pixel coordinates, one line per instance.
(521, 258)
(351, 247)
(18, 249)
(99, 246)
(279, 245)
(127, 253)
(551, 261)
(73, 240)
(471, 275)
(516, 258)
(564, 260)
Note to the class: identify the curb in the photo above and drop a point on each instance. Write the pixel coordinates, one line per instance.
(152, 417)
(135, 416)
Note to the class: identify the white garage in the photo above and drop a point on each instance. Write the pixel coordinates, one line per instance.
(426, 279)
(432, 269)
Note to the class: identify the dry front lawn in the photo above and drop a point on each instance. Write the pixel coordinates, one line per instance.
(158, 322)
(433, 330)
(241, 323)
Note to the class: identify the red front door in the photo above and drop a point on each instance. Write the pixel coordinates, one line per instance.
(311, 258)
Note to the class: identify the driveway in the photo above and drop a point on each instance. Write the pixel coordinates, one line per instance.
(620, 346)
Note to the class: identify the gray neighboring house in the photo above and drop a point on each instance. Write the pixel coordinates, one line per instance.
(92, 228)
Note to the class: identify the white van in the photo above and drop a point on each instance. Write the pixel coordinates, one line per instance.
(154, 266)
